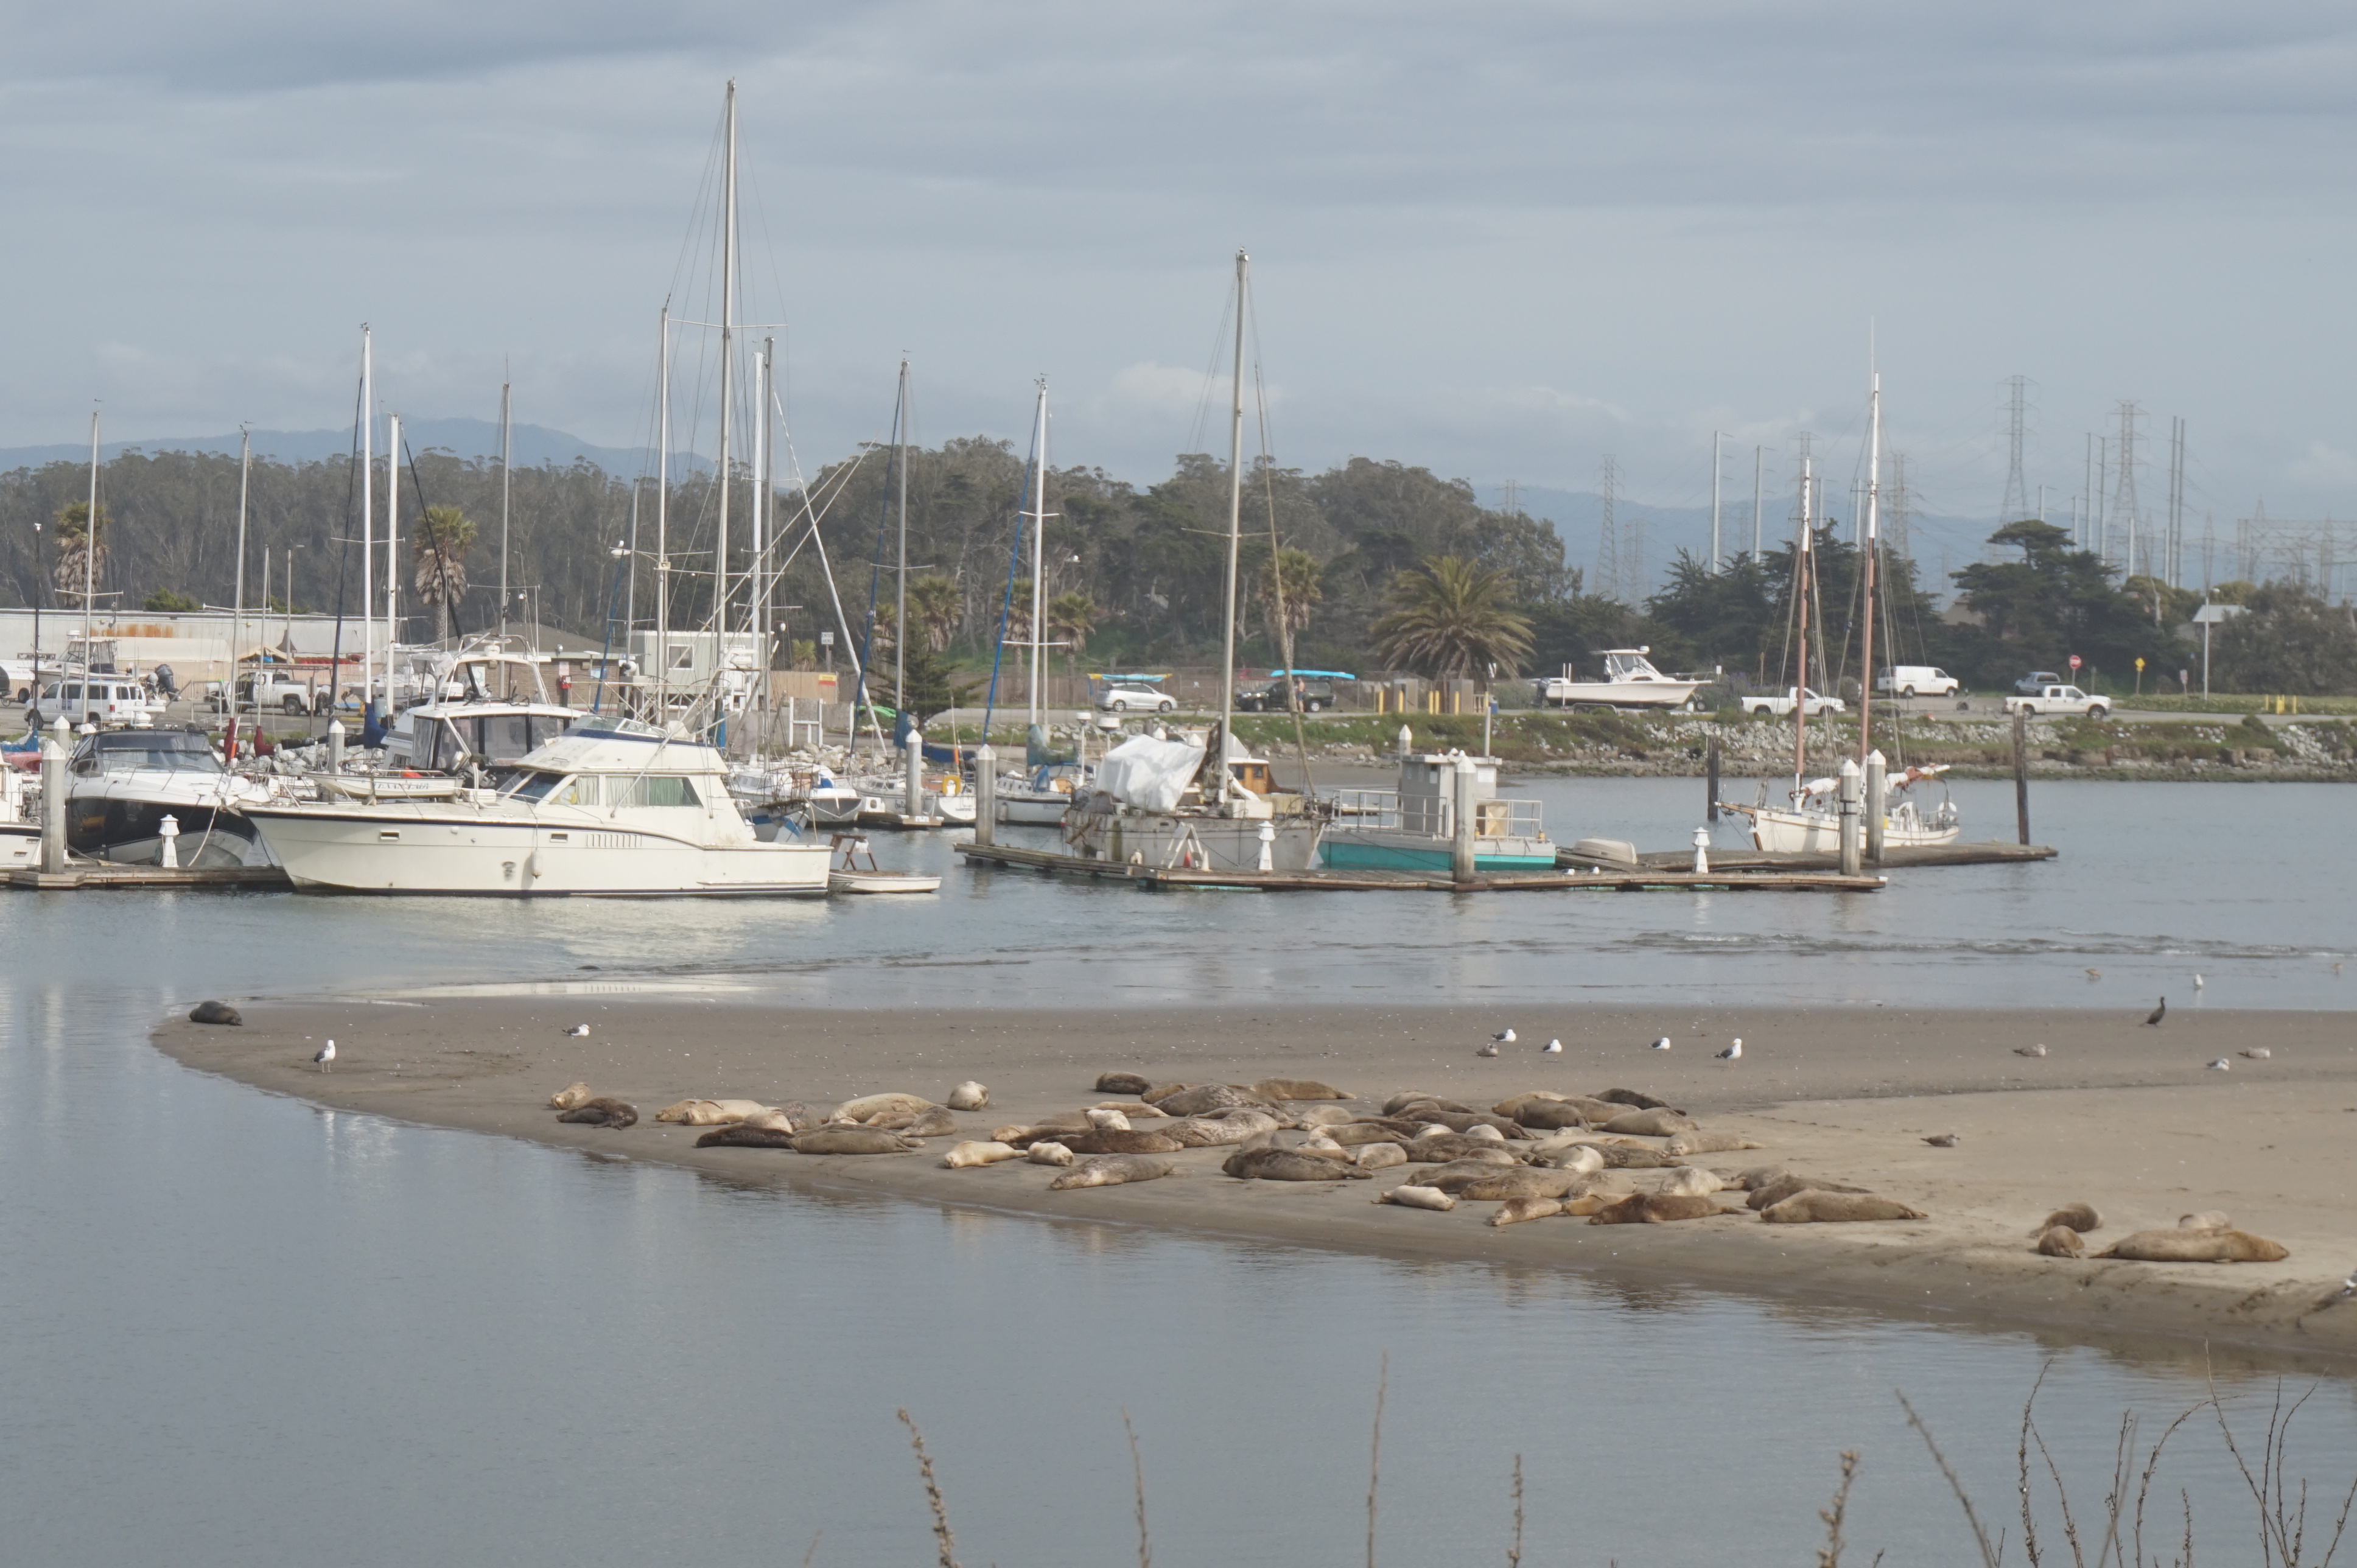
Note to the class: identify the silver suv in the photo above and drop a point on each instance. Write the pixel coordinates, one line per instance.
(1138, 699)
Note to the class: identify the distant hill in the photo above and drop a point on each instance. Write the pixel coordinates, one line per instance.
(532, 444)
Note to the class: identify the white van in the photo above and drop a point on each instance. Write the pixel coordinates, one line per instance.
(1917, 680)
(113, 700)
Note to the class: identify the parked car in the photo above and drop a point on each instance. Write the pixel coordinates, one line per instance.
(1782, 707)
(111, 700)
(260, 690)
(1918, 680)
(2059, 698)
(2034, 683)
(1142, 699)
(1314, 692)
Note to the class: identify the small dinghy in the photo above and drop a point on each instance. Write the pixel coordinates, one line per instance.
(854, 871)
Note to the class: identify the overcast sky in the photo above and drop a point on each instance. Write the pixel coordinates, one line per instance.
(1500, 239)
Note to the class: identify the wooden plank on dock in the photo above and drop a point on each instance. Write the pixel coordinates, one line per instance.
(1642, 880)
(1894, 859)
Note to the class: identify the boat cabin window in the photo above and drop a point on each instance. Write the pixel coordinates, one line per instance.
(1253, 776)
(531, 784)
(652, 790)
(146, 748)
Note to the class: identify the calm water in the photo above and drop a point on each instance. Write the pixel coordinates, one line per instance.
(234, 1328)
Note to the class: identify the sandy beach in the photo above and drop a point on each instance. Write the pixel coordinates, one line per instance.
(2123, 1116)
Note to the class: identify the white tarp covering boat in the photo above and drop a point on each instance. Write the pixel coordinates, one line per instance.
(1151, 775)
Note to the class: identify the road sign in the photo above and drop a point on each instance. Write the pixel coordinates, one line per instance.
(2139, 666)
(2074, 664)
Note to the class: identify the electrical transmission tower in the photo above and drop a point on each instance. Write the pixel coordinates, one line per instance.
(2174, 566)
(1634, 587)
(1607, 530)
(2014, 508)
(2123, 492)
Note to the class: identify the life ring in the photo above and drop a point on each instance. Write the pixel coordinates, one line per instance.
(949, 786)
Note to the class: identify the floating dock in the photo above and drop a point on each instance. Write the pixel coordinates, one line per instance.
(1608, 879)
(1893, 858)
(104, 873)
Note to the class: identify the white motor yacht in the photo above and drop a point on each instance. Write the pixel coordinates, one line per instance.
(1630, 682)
(121, 784)
(615, 808)
(491, 706)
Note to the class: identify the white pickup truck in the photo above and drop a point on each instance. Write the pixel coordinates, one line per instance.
(1782, 707)
(2049, 700)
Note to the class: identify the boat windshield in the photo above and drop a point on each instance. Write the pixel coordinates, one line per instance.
(1624, 665)
(177, 750)
(530, 784)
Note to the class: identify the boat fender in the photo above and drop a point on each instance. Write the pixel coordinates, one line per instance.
(531, 866)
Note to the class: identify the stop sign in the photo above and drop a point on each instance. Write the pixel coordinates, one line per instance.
(2074, 664)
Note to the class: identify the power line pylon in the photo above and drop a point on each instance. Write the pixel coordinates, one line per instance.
(2014, 508)
(2123, 490)
(1608, 531)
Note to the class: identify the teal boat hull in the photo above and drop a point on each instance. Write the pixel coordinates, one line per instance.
(1345, 852)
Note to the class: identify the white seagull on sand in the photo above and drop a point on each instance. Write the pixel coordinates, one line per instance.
(578, 1031)
(1734, 1052)
(1552, 1049)
(1504, 1037)
(1662, 1044)
(327, 1054)
(2221, 1065)
(2199, 982)
(2036, 1050)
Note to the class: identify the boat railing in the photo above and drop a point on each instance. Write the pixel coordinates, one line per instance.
(1379, 808)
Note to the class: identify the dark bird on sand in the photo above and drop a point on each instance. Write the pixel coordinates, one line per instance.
(1941, 1140)
(2152, 1019)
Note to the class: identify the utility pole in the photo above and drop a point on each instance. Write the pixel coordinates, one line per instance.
(506, 387)
(1718, 558)
(2174, 566)
(1758, 470)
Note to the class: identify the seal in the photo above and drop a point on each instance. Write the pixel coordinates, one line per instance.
(1290, 1164)
(1583, 1159)
(1630, 1097)
(1205, 1097)
(1415, 1197)
(1690, 1181)
(1442, 1147)
(1818, 1207)
(1350, 1134)
(936, 1122)
(1786, 1186)
(1122, 1083)
(1119, 1141)
(602, 1112)
(572, 1094)
(793, 1116)
(1515, 1210)
(2209, 1219)
(1709, 1143)
(969, 1096)
(1381, 1156)
(1407, 1096)
(738, 1135)
(873, 1105)
(972, 1154)
(1656, 1208)
(1629, 1158)
(2196, 1247)
(1136, 1110)
(850, 1140)
(1656, 1124)
(1217, 1131)
(1759, 1176)
(1101, 1119)
(1298, 1089)
(1046, 1153)
(1458, 1175)
(2079, 1216)
(2060, 1241)
(1551, 1115)
(708, 1112)
(215, 1013)
(1497, 1185)
(1110, 1170)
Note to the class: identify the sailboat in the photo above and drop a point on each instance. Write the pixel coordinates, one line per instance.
(1812, 822)
(1210, 805)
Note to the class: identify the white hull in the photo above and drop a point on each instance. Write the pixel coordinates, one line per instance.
(1620, 694)
(1042, 808)
(1782, 832)
(1169, 839)
(881, 882)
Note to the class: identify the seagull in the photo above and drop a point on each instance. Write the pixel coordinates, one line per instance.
(1504, 1037)
(1552, 1049)
(578, 1031)
(1489, 1050)
(2029, 1050)
(1662, 1044)
(2199, 982)
(327, 1054)
(2152, 1020)
(2256, 1053)
(1941, 1140)
(2349, 1285)
(2221, 1065)
(2095, 974)
(1734, 1051)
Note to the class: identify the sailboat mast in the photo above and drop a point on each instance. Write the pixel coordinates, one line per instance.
(1804, 560)
(237, 611)
(368, 522)
(901, 608)
(727, 348)
(1235, 531)
(505, 388)
(89, 566)
(1873, 548)
(392, 550)
(662, 514)
(1038, 557)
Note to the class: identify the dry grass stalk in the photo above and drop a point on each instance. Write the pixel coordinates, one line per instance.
(1375, 1457)
(948, 1543)
(1980, 1536)
(1515, 1552)
(2282, 1517)
(1145, 1543)
(1829, 1556)
(813, 1549)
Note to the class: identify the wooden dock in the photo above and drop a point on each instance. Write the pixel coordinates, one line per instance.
(103, 874)
(1894, 859)
(1611, 880)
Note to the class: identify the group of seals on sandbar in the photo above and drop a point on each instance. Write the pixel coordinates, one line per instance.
(873, 1124)
(2208, 1237)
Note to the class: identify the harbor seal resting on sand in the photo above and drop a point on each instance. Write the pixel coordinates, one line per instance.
(602, 1112)
(214, 1013)
(1759, 1176)
(1552, 1115)
(1503, 1184)
(2196, 1247)
(2060, 1241)
(572, 1094)
(2209, 1219)
(1205, 1097)
(972, 1155)
(1629, 1157)
(1659, 1123)
(1044, 1154)
(1290, 1164)
(1581, 1157)
(1215, 1132)
(1630, 1097)
(793, 1116)
(1118, 1140)
(850, 1140)
(708, 1112)
(1136, 1110)
(1381, 1156)
(1297, 1089)
(1414, 1196)
(1123, 1083)
(1515, 1210)
(969, 1096)
(1459, 1174)
(869, 1106)
(1656, 1208)
(1407, 1096)
(1690, 1181)
(1350, 1134)
(2079, 1216)
(738, 1135)
(936, 1122)
(1777, 1191)
(1442, 1147)
(1819, 1207)
(1709, 1143)
(1110, 1170)
(1101, 1119)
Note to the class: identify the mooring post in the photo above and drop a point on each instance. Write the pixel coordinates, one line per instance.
(1877, 799)
(335, 746)
(912, 801)
(1849, 790)
(53, 798)
(1711, 805)
(2022, 772)
(985, 796)
(1461, 840)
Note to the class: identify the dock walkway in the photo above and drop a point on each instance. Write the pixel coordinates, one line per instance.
(1607, 880)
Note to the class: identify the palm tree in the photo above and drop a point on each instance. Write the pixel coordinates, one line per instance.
(1290, 580)
(1451, 619)
(73, 542)
(935, 604)
(440, 546)
(1070, 617)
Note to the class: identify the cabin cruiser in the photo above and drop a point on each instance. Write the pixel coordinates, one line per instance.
(1630, 682)
(612, 807)
(20, 830)
(1413, 827)
(1040, 798)
(1162, 803)
(490, 707)
(122, 784)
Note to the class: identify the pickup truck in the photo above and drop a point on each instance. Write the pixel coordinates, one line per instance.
(281, 690)
(1782, 707)
(2051, 700)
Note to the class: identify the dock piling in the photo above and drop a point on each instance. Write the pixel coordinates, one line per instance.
(1460, 837)
(53, 798)
(1877, 799)
(1849, 790)
(1711, 805)
(335, 746)
(2021, 771)
(913, 798)
(985, 795)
